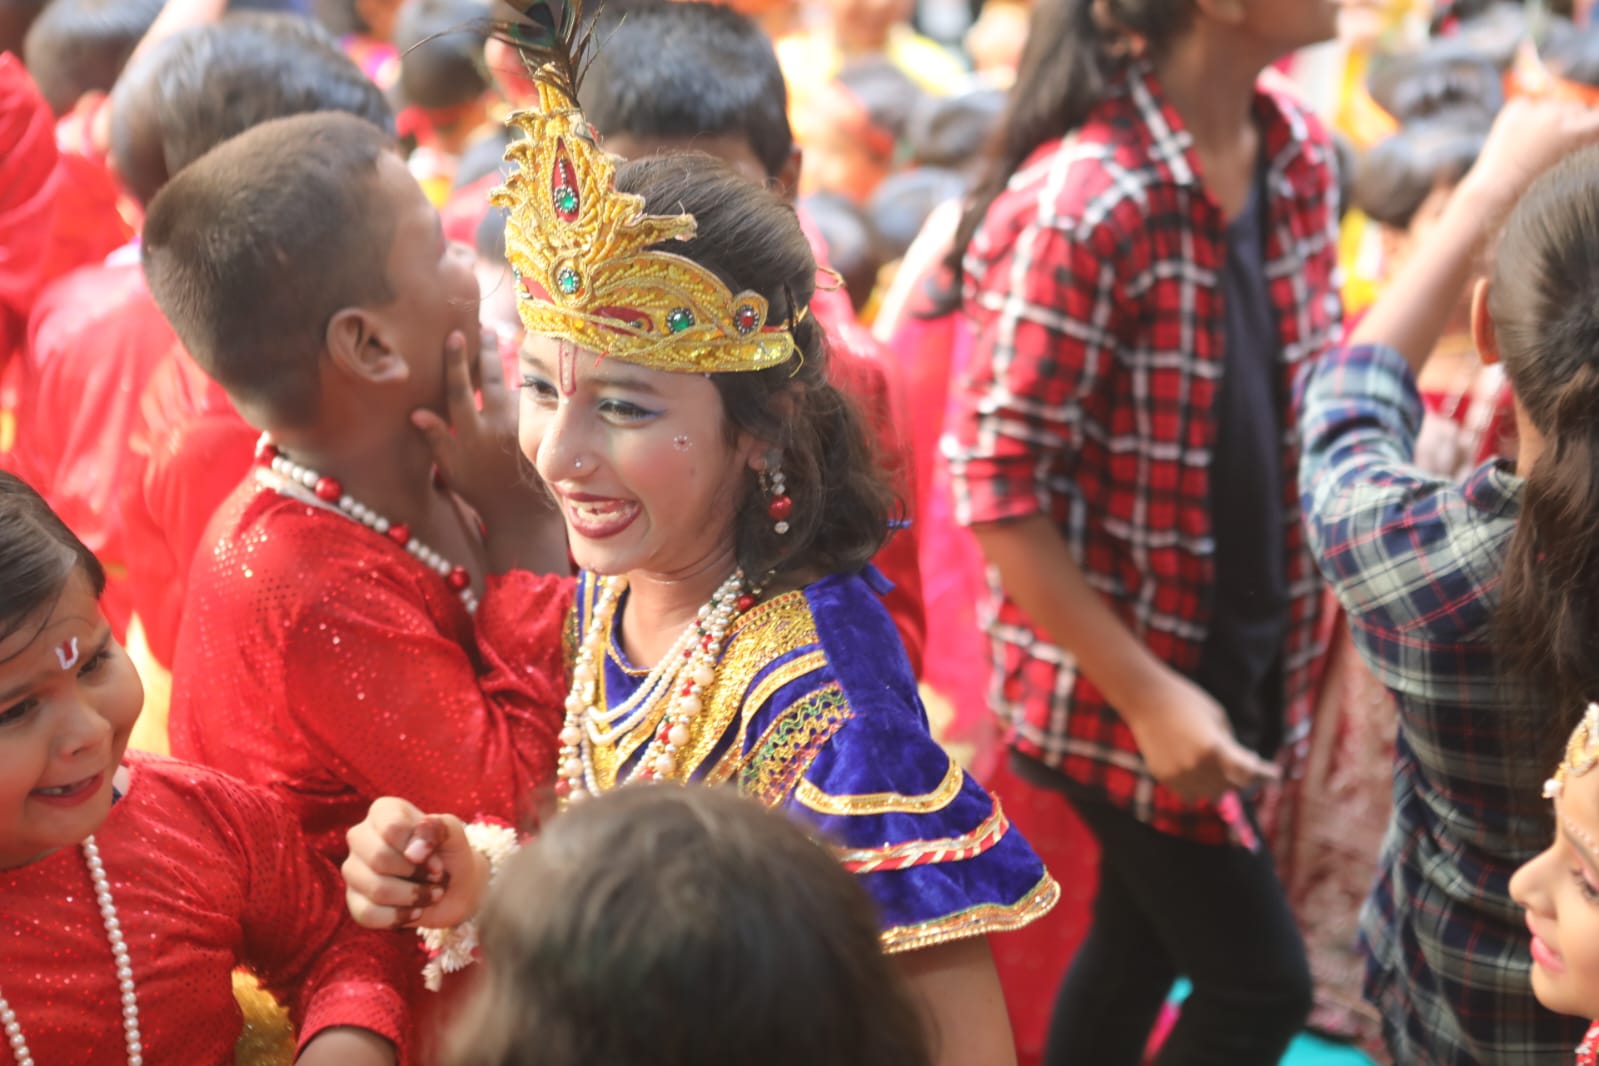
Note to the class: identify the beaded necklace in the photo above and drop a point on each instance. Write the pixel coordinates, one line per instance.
(681, 678)
(119, 955)
(305, 484)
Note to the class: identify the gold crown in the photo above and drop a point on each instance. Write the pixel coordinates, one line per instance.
(1582, 753)
(581, 254)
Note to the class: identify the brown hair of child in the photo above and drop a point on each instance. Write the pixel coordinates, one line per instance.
(251, 250)
(670, 926)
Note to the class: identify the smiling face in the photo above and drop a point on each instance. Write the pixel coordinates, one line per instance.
(639, 459)
(69, 697)
(1560, 891)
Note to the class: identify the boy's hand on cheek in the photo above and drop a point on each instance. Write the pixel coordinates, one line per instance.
(478, 456)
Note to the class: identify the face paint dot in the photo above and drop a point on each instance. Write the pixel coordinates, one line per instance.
(682, 443)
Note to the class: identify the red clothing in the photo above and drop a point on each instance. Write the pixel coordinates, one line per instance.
(319, 659)
(207, 875)
(860, 368)
(31, 178)
(94, 338)
(1099, 338)
(187, 451)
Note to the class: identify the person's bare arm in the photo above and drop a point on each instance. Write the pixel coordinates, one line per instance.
(1527, 138)
(958, 990)
(1183, 734)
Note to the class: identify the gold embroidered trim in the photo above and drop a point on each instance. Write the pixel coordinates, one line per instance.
(870, 803)
(789, 746)
(928, 852)
(769, 686)
(980, 920)
(769, 631)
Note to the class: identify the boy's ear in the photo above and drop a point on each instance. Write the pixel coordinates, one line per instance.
(358, 346)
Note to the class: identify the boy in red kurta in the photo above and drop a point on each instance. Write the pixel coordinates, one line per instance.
(352, 630)
(96, 336)
(132, 887)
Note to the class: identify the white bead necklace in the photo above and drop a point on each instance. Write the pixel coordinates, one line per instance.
(306, 484)
(119, 954)
(682, 677)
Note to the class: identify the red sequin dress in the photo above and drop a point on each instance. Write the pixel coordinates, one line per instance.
(316, 657)
(1588, 1050)
(207, 875)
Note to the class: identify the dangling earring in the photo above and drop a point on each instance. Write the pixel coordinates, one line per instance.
(780, 506)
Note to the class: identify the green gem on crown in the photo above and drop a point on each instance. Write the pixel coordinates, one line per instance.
(568, 281)
(566, 200)
(679, 319)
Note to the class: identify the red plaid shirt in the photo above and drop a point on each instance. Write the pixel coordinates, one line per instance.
(1094, 289)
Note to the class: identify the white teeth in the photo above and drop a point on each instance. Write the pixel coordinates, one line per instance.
(62, 791)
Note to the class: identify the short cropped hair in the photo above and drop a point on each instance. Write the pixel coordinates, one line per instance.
(686, 70)
(80, 46)
(208, 83)
(253, 248)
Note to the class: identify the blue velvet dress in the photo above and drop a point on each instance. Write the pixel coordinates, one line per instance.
(814, 711)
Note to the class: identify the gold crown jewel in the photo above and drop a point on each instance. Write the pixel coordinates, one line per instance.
(1582, 753)
(583, 252)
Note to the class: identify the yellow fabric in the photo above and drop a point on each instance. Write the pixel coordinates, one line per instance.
(150, 731)
(268, 1037)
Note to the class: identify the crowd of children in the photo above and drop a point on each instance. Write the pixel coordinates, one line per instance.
(1120, 474)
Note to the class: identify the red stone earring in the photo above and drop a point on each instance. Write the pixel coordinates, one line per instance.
(780, 506)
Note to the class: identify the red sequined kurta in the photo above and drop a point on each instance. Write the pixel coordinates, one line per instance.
(207, 875)
(318, 658)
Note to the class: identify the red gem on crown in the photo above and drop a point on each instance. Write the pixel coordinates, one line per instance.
(745, 319)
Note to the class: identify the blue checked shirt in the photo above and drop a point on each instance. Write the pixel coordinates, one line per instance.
(1416, 561)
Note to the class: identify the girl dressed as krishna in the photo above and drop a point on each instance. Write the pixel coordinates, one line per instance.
(722, 503)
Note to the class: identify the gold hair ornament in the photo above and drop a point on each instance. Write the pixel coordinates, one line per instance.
(1582, 753)
(583, 252)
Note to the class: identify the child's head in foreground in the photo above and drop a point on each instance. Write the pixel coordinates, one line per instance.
(69, 696)
(667, 926)
(304, 269)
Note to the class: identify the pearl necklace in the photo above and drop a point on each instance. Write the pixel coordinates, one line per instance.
(295, 479)
(119, 954)
(682, 676)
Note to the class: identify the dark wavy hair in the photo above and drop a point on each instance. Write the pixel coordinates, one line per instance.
(1543, 298)
(38, 553)
(667, 926)
(750, 238)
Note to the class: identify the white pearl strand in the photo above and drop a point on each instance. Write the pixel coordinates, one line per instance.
(295, 476)
(119, 954)
(681, 676)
